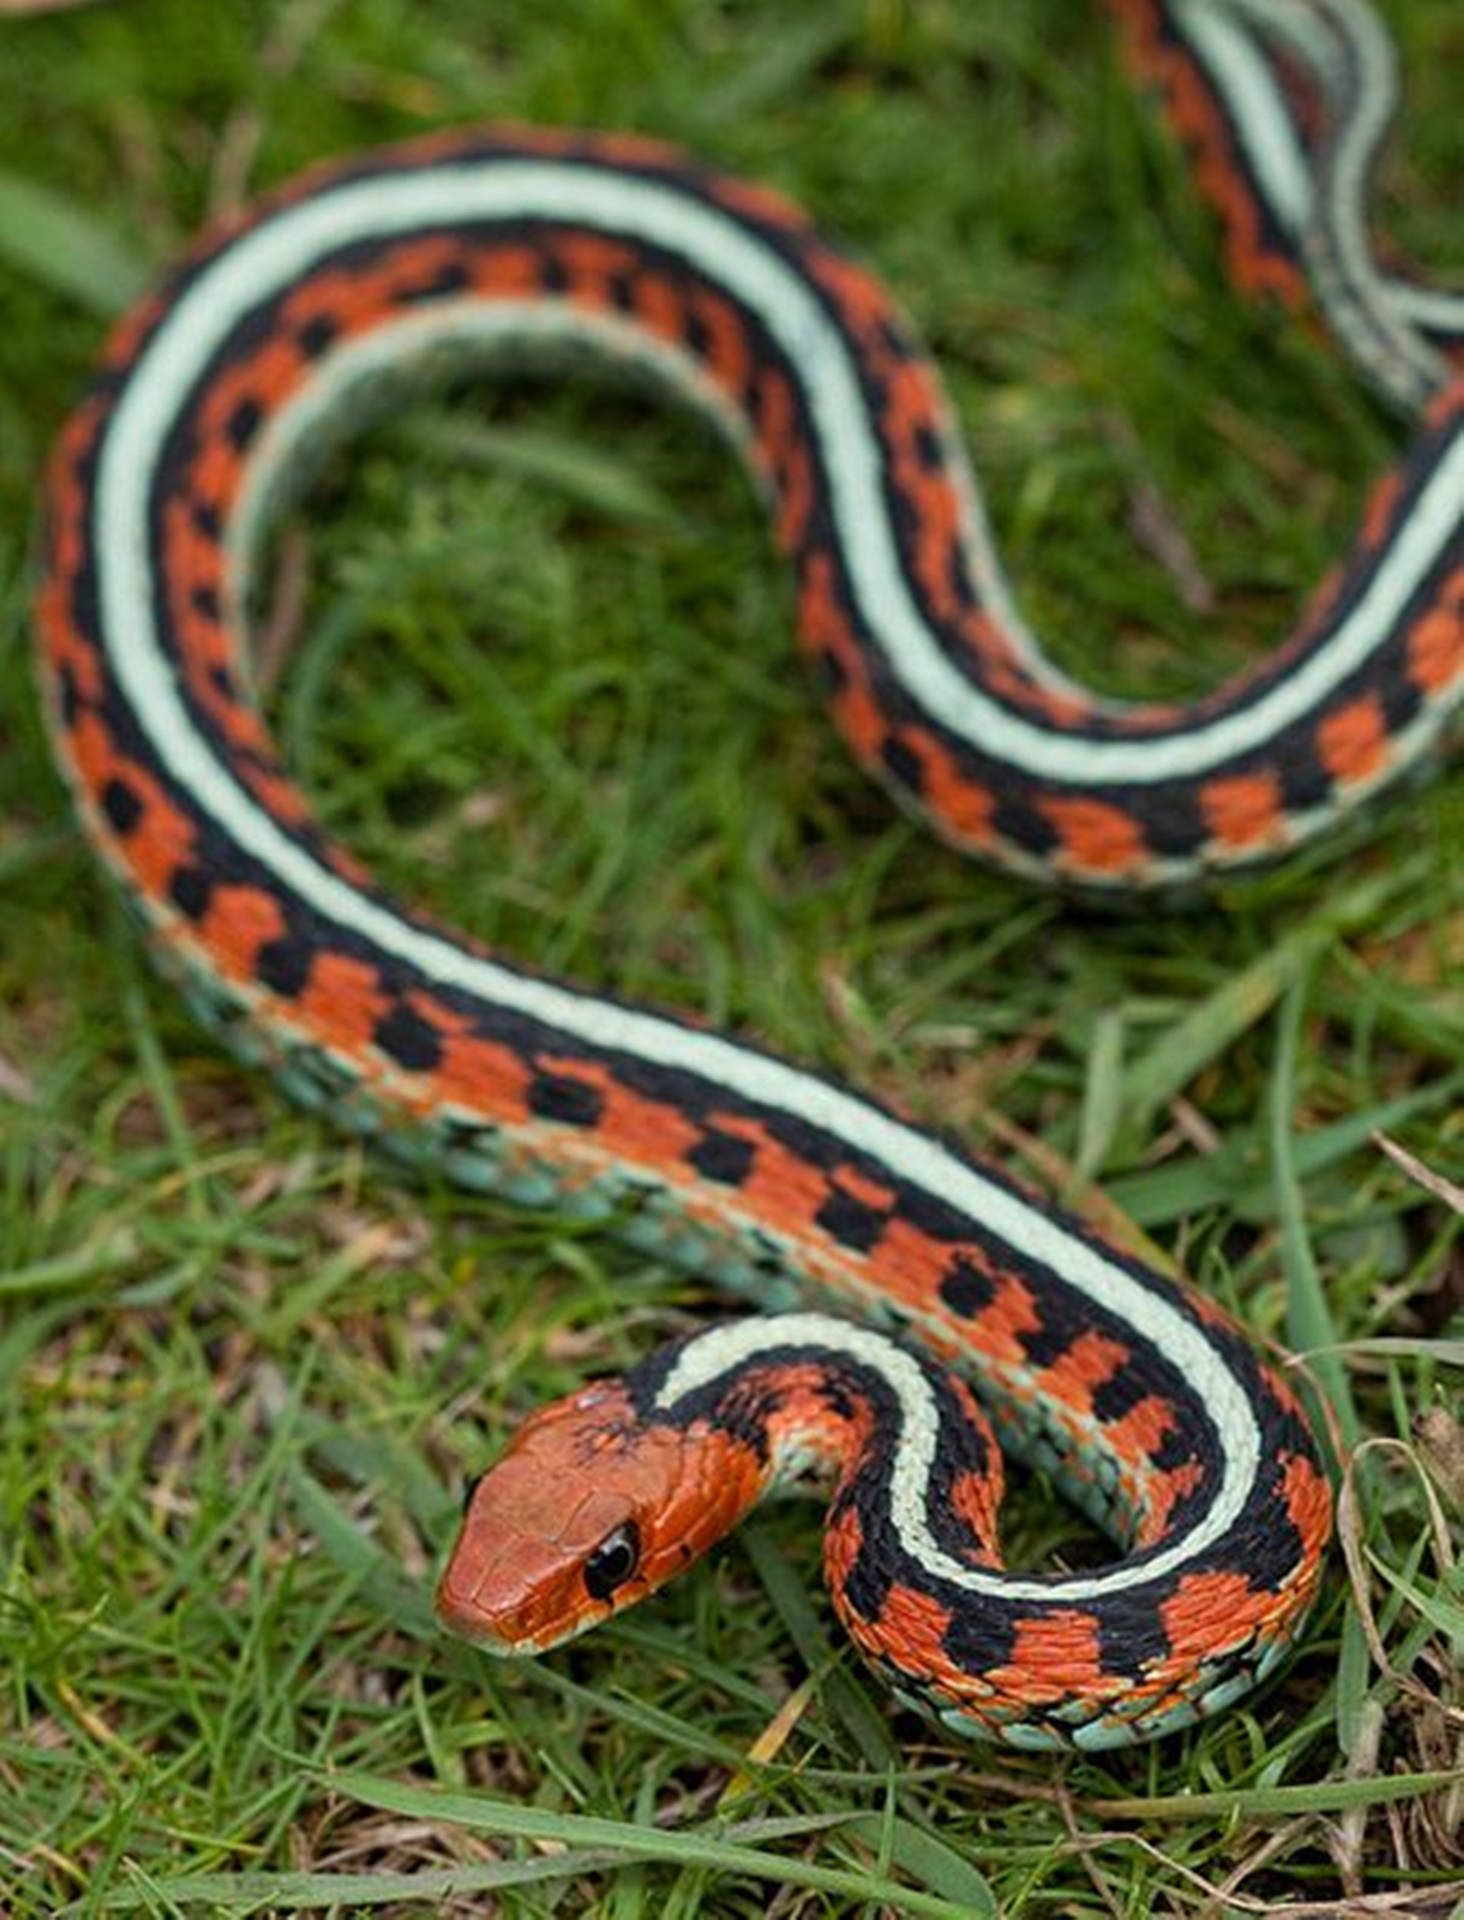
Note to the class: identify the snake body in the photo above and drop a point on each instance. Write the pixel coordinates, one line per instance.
(1144, 1400)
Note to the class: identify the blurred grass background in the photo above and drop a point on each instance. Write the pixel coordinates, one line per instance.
(530, 648)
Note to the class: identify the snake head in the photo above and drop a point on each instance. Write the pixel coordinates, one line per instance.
(593, 1505)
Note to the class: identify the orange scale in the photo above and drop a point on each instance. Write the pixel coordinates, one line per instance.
(776, 417)
(1076, 1375)
(645, 1131)
(190, 557)
(843, 1537)
(365, 302)
(163, 841)
(235, 385)
(93, 754)
(126, 338)
(801, 1414)
(240, 921)
(341, 1003)
(759, 203)
(822, 623)
(972, 1502)
(632, 150)
(321, 297)
(910, 1265)
(412, 261)
(1378, 512)
(1141, 1431)
(241, 726)
(910, 1630)
(963, 807)
(795, 496)
(1096, 837)
(1436, 649)
(780, 1188)
(480, 1076)
(1054, 1654)
(728, 350)
(215, 474)
(1159, 1495)
(1308, 1500)
(1211, 1611)
(506, 273)
(866, 307)
(593, 258)
(661, 307)
(858, 717)
(910, 406)
(1245, 810)
(64, 647)
(277, 792)
(873, 1193)
(1352, 742)
(1446, 405)
(1000, 1326)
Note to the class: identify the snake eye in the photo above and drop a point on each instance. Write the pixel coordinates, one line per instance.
(611, 1564)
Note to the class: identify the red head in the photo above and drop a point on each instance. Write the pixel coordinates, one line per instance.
(592, 1507)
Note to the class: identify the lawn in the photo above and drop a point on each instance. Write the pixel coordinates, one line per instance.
(529, 647)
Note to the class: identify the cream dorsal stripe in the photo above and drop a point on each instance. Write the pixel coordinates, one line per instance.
(288, 245)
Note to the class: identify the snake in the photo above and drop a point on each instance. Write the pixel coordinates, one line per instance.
(921, 1313)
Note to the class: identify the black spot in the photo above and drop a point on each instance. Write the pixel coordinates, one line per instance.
(559, 1096)
(409, 1039)
(1119, 1394)
(553, 275)
(450, 278)
(190, 891)
(929, 450)
(284, 966)
(723, 1157)
(744, 1413)
(980, 1638)
(696, 335)
(1400, 697)
(206, 602)
(206, 519)
(68, 696)
(316, 335)
(965, 1289)
(1047, 1341)
(838, 1397)
(121, 805)
(243, 423)
(469, 1489)
(1305, 782)
(1131, 1634)
(934, 1216)
(1015, 819)
(830, 674)
(904, 764)
(1176, 1449)
(873, 1572)
(852, 1222)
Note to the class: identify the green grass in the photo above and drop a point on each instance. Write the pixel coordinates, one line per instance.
(545, 684)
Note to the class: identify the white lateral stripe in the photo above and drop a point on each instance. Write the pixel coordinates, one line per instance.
(282, 249)
(1244, 76)
(713, 1354)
